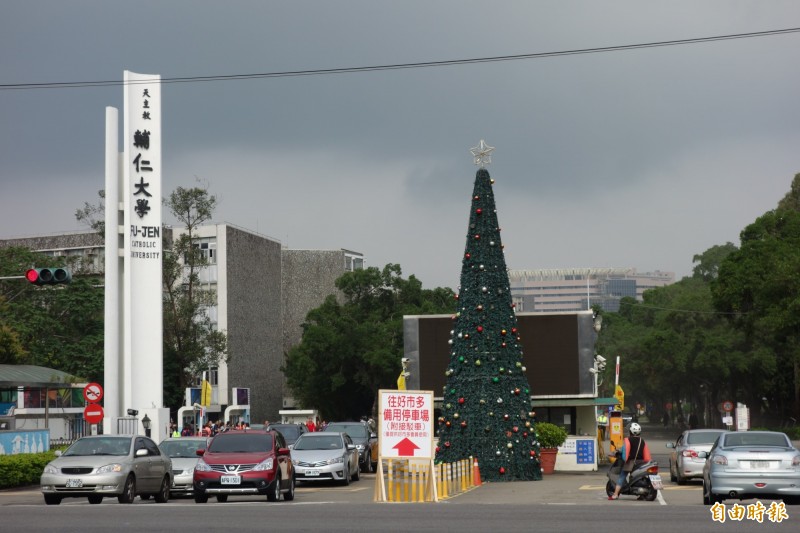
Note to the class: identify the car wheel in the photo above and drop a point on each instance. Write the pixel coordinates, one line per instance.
(680, 480)
(95, 499)
(346, 475)
(672, 476)
(162, 496)
(52, 499)
(200, 498)
(222, 498)
(357, 475)
(289, 495)
(708, 498)
(128, 492)
(275, 494)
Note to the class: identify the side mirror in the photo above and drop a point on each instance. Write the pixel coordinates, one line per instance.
(373, 435)
(201, 452)
(58, 453)
(351, 446)
(141, 452)
(702, 455)
(670, 445)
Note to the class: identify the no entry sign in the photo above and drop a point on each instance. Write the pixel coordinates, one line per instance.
(93, 413)
(405, 424)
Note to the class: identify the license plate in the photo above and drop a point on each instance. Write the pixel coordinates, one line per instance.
(312, 473)
(74, 483)
(230, 480)
(761, 465)
(656, 482)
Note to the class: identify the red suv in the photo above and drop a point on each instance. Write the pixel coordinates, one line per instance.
(244, 462)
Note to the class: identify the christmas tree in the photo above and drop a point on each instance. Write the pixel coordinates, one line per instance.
(486, 408)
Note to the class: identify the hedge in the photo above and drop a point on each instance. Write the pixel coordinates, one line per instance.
(23, 469)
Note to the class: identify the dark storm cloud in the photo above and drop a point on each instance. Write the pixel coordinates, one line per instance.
(639, 158)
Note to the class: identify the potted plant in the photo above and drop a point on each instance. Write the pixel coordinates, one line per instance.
(550, 437)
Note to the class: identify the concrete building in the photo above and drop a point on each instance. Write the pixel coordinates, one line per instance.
(263, 294)
(577, 289)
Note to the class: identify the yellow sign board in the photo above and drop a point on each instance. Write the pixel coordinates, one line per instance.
(619, 394)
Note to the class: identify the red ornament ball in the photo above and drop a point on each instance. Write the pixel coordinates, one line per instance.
(463, 423)
(447, 444)
(479, 211)
(503, 345)
(533, 453)
(514, 331)
(479, 328)
(502, 470)
(461, 401)
(476, 197)
(477, 237)
(467, 255)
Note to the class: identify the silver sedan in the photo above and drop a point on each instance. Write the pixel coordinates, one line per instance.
(325, 455)
(183, 452)
(751, 464)
(108, 465)
(684, 461)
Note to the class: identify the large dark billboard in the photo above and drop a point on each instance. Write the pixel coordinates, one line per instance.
(558, 351)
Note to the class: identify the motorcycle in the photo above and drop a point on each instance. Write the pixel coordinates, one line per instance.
(644, 481)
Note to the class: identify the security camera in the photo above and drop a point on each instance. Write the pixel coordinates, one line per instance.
(600, 358)
(132, 412)
(405, 360)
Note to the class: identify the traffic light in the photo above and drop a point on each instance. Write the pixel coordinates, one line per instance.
(48, 276)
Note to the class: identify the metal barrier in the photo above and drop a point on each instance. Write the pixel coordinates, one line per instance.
(416, 481)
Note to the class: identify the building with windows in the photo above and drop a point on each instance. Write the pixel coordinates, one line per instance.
(263, 294)
(576, 289)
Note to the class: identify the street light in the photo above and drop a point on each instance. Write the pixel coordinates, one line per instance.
(146, 425)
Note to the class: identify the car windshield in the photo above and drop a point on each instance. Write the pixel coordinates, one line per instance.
(356, 431)
(703, 437)
(747, 438)
(314, 442)
(101, 446)
(241, 443)
(182, 448)
(290, 432)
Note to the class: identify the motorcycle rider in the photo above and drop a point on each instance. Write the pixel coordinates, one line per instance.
(635, 446)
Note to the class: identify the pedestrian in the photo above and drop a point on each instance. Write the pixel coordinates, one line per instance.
(311, 425)
(693, 422)
(634, 449)
(665, 419)
(602, 425)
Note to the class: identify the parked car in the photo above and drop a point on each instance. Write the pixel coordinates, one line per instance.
(366, 442)
(244, 462)
(751, 464)
(108, 465)
(684, 462)
(290, 432)
(326, 455)
(183, 452)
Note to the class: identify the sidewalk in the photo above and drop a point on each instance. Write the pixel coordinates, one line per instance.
(557, 488)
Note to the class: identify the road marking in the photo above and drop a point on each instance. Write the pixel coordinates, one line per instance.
(603, 487)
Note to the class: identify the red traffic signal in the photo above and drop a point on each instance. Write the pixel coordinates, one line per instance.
(48, 276)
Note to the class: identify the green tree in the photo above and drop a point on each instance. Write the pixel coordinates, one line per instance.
(191, 343)
(486, 410)
(759, 286)
(707, 267)
(352, 348)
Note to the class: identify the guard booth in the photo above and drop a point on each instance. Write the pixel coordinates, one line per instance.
(616, 432)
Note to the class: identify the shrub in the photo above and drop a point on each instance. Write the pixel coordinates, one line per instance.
(550, 435)
(23, 469)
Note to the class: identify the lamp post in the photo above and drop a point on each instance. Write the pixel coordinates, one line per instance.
(146, 425)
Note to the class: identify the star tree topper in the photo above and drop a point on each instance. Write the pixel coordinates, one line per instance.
(482, 154)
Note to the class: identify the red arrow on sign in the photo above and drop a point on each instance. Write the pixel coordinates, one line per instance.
(405, 448)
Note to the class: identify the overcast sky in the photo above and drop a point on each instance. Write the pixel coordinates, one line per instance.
(639, 158)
